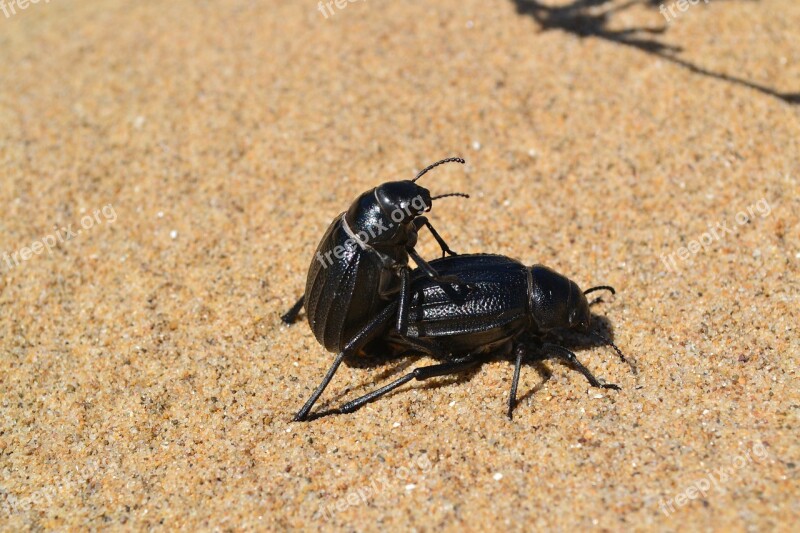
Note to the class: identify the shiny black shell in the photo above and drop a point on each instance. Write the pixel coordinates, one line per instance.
(335, 310)
(492, 311)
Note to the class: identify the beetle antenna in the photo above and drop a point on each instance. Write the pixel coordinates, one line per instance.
(608, 342)
(601, 288)
(443, 161)
(461, 194)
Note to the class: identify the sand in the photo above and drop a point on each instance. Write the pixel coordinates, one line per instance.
(202, 148)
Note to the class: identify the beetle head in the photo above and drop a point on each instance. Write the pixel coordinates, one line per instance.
(403, 201)
(383, 216)
(556, 301)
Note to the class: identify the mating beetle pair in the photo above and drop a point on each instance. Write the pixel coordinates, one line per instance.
(461, 308)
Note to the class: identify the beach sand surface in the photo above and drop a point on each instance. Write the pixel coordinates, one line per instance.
(177, 163)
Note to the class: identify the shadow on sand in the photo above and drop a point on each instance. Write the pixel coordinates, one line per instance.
(398, 365)
(587, 18)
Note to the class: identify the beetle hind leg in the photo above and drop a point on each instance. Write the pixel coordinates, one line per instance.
(422, 373)
(291, 315)
(302, 414)
(359, 340)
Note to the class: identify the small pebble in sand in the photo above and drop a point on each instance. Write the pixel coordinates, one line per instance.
(173, 234)
(498, 476)
(411, 486)
(476, 145)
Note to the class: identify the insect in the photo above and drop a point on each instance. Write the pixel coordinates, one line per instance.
(504, 308)
(361, 265)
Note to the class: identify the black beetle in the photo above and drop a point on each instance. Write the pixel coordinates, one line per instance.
(503, 307)
(361, 265)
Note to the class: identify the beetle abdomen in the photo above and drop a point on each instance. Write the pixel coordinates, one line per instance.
(334, 308)
(493, 309)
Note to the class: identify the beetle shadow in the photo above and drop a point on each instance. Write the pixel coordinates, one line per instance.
(583, 18)
(601, 330)
(396, 365)
(576, 340)
(573, 341)
(399, 365)
(544, 373)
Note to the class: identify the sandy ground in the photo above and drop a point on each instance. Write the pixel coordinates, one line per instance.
(201, 149)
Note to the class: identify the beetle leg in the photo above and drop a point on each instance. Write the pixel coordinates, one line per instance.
(561, 353)
(401, 345)
(451, 367)
(429, 270)
(419, 222)
(512, 396)
(402, 308)
(291, 314)
(427, 347)
(359, 340)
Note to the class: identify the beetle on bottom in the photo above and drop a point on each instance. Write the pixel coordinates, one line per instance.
(502, 307)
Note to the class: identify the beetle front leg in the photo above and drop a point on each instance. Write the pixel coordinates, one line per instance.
(520, 352)
(429, 270)
(402, 307)
(561, 353)
(419, 222)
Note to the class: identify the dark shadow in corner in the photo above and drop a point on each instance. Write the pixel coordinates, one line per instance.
(581, 18)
